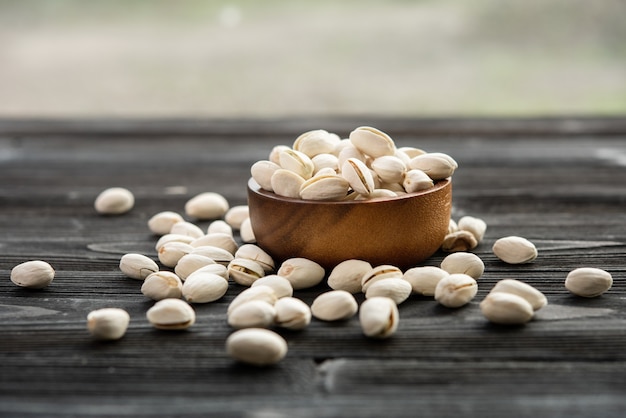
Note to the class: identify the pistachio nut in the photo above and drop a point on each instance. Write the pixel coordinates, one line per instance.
(108, 323)
(162, 285)
(292, 313)
(459, 241)
(334, 305)
(515, 250)
(588, 282)
(217, 239)
(204, 287)
(207, 206)
(247, 232)
(381, 272)
(358, 175)
(171, 314)
(114, 201)
(296, 162)
(411, 152)
(262, 172)
(302, 273)
(536, 299)
(455, 290)
(190, 263)
(281, 286)
(186, 239)
(324, 187)
(264, 293)
(506, 308)
(252, 314)
(437, 165)
(379, 317)
(315, 142)
(347, 275)
(34, 274)
(476, 226)
(373, 142)
(137, 266)
(244, 271)
(171, 252)
(325, 162)
(236, 215)
(219, 227)
(396, 289)
(379, 194)
(218, 269)
(416, 180)
(424, 279)
(186, 228)
(255, 253)
(161, 223)
(349, 151)
(463, 262)
(217, 254)
(275, 152)
(389, 168)
(286, 183)
(256, 346)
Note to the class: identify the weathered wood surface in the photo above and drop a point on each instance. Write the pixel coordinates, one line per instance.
(560, 184)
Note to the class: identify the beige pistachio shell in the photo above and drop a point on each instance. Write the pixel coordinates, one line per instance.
(219, 227)
(255, 253)
(161, 223)
(252, 314)
(373, 142)
(381, 272)
(324, 187)
(114, 201)
(476, 226)
(217, 239)
(347, 275)
(459, 241)
(246, 232)
(162, 285)
(170, 252)
(186, 228)
(108, 323)
(264, 293)
(389, 168)
(588, 282)
(262, 172)
(189, 263)
(315, 142)
(424, 279)
(282, 287)
(286, 183)
(186, 239)
(334, 305)
(217, 254)
(456, 290)
(379, 317)
(515, 250)
(437, 165)
(325, 161)
(244, 271)
(464, 262)
(256, 346)
(218, 269)
(137, 266)
(358, 175)
(171, 314)
(395, 289)
(207, 206)
(416, 180)
(236, 215)
(302, 273)
(292, 313)
(296, 162)
(533, 296)
(506, 309)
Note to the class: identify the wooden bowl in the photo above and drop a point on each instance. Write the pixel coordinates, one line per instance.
(402, 231)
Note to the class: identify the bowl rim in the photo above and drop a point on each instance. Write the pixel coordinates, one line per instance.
(254, 187)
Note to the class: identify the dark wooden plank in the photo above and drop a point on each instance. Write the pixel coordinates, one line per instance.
(562, 187)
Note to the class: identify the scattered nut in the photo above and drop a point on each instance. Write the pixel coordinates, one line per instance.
(465, 263)
(171, 252)
(334, 305)
(219, 226)
(424, 280)
(301, 272)
(459, 241)
(161, 223)
(256, 346)
(257, 254)
(189, 263)
(206, 206)
(162, 285)
(236, 215)
(515, 250)
(217, 239)
(264, 293)
(244, 271)
(114, 201)
(588, 282)
(347, 275)
(384, 271)
(456, 290)
(171, 314)
(282, 287)
(204, 287)
(186, 228)
(379, 317)
(108, 323)
(252, 314)
(246, 232)
(395, 289)
(292, 313)
(533, 296)
(137, 266)
(506, 308)
(476, 226)
(34, 274)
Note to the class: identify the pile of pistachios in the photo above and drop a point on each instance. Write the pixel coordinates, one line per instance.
(197, 266)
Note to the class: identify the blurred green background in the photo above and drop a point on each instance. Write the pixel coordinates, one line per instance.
(281, 58)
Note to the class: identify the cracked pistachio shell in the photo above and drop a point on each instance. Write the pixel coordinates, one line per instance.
(349, 151)
(137, 266)
(252, 314)
(161, 223)
(373, 142)
(162, 285)
(275, 152)
(189, 263)
(301, 272)
(296, 162)
(171, 314)
(186, 228)
(204, 287)
(186, 239)
(255, 253)
(334, 305)
(264, 293)
(326, 171)
(206, 206)
(588, 282)
(437, 165)
(281, 286)
(171, 252)
(395, 289)
(315, 142)
(377, 273)
(379, 317)
(456, 290)
(506, 309)
(34, 274)
(217, 254)
(262, 172)
(325, 161)
(217, 239)
(476, 226)
(219, 227)
(286, 183)
(463, 262)
(390, 169)
(218, 269)
(533, 296)
(324, 187)
(236, 215)
(459, 241)
(416, 180)
(244, 271)
(256, 346)
(114, 201)
(246, 232)
(358, 175)
(292, 313)
(424, 280)
(515, 250)
(108, 323)
(347, 275)
(411, 152)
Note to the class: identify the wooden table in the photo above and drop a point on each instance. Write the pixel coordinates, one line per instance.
(560, 182)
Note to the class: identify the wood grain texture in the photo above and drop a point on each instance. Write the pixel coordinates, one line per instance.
(559, 183)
